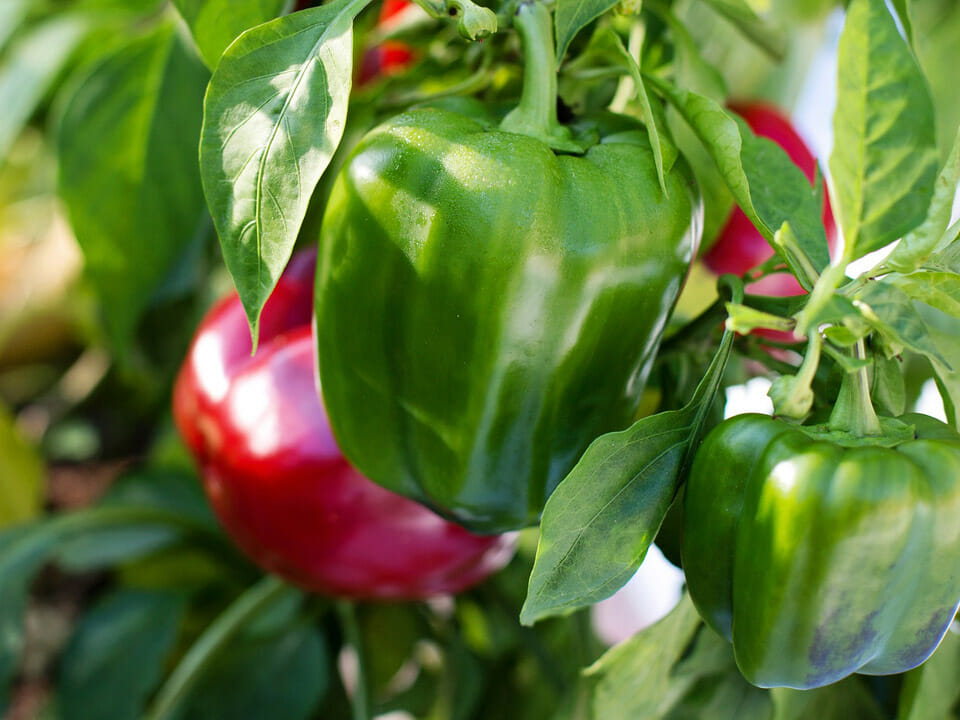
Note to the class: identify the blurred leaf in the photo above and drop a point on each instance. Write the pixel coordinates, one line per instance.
(935, 28)
(22, 553)
(884, 160)
(279, 677)
(571, 16)
(848, 699)
(216, 23)
(598, 524)
(117, 655)
(21, 474)
(633, 680)
(390, 633)
(175, 490)
(772, 40)
(29, 68)
(12, 14)
(128, 170)
(112, 546)
(931, 690)
(273, 116)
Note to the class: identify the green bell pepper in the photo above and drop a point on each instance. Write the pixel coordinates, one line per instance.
(490, 298)
(819, 553)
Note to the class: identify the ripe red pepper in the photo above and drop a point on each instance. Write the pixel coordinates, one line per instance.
(278, 482)
(390, 56)
(740, 246)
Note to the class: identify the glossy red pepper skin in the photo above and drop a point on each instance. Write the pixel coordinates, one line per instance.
(278, 482)
(740, 246)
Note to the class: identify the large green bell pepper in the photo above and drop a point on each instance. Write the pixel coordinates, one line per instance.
(487, 305)
(820, 554)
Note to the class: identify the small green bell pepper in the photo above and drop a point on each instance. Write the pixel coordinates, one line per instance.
(488, 304)
(819, 553)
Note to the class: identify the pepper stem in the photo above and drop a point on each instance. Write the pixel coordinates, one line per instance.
(536, 114)
(854, 411)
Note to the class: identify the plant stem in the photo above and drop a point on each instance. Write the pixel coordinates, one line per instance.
(205, 650)
(536, 114)
(360, 698)
(854, 411)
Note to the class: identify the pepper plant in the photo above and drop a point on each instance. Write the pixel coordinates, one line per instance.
(511, 344)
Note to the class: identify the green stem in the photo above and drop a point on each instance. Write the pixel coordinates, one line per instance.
(360, 698)
(473, 21)
(536, 114)
(854, 411)
(205, 650)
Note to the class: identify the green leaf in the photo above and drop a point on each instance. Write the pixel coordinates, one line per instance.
(884, 159)
(769, 188)
(918, 244)
(633, 680)
(12, 15)
(931, 690)
(935, 29)
(770, 39)
(916, 326)
(23, 551)
(21, 474)
(273, 116)
(128, 170)
(845, 700)
(117, 655)
(215, 24)
(279, 677)
(887, 388)
(571, 16)
(29, 69)
(598, 524)
(940, 290)
(649, 120)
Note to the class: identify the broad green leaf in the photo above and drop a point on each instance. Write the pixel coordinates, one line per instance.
(571, 16)
(931, 690)
(274, 114)
(30, 67)
(884, 159)
(912, 324)
(769, 188)
(21, 474)
(128, 170)
(598, 524)
(633, 680)
(215, 24)
(772, 40)
(917, 245)
(940, 290)
(117, 655)
(935, 28)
